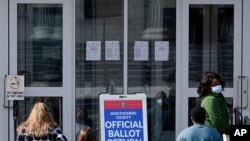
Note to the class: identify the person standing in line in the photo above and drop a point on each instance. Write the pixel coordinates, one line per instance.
(82, 119)
(213, 101)
(198, 131)
(39, 126)
(157, 116)
(86, 134)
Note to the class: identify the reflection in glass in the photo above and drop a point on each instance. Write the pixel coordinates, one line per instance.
(155, 21)
(39, 44)
(100, 21)
(211, 35)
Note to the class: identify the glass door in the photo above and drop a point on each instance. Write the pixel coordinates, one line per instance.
(147, 68)
(99, 58)
(151, 60)
(211, 41)
(39, 51)
(246, 67)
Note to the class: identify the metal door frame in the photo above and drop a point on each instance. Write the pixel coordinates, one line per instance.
(184, 92)
(65, 91)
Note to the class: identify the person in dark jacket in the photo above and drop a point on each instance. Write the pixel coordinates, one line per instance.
(157, 117)
(217, 112)
(39, 126)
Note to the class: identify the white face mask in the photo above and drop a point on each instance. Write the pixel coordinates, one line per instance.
(216, 89)
(159, 101)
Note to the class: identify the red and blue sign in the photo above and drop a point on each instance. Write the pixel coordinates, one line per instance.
(123, 120)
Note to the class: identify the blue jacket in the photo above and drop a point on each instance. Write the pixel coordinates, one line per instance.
(199, 132)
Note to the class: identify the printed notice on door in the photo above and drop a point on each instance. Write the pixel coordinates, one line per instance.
(112, 50)
(14, 87)
(93, 51)
(141, 51)
(161, 51)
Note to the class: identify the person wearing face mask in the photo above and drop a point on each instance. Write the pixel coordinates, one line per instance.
(212, 100)
(157, 116)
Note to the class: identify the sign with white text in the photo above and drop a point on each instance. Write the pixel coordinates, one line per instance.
(123, 117)
(239, 133)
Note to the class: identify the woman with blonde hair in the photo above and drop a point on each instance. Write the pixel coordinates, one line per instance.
(86, 134)
(39, 126)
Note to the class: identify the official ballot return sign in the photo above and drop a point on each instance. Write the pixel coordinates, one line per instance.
(14, 87)
(123, 117)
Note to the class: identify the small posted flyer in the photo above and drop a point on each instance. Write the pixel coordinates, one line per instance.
(141, 51)
(161, 51)
(112, 50)
(93, 50)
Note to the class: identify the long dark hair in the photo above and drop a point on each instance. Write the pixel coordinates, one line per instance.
(204, 86)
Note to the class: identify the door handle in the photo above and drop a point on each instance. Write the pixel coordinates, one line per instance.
(242, 96)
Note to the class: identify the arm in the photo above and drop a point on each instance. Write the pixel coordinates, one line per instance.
(20, 137)
(214, 109)
(59, 135)
(181, 137)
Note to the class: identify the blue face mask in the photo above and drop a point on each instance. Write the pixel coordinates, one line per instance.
(216, 89)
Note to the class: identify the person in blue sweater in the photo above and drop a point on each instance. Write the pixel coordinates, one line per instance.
(198, 131)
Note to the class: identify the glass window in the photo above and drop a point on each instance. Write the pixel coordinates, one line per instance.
(99, 63)
(152, 62)
(211, 36)
(39, 44)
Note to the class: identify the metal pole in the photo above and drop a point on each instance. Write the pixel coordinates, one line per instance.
(9, 67)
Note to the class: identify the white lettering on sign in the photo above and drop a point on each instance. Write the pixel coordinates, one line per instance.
(124, 140)
(123, 124)
(240, 132)
(123, 117)
(122, 113)
(124, 133)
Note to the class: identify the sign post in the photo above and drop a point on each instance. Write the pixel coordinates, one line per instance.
(123, 117)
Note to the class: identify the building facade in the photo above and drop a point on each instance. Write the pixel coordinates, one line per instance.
(70, 51)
